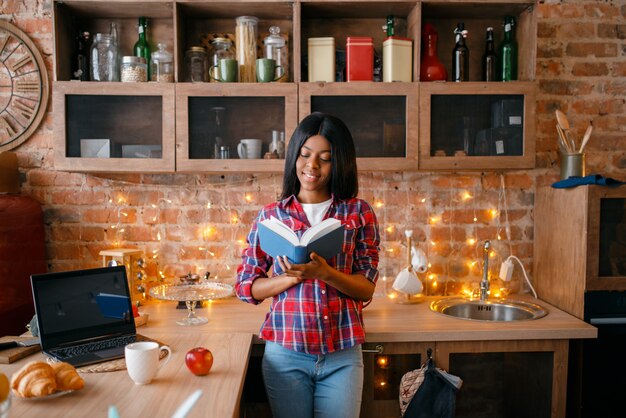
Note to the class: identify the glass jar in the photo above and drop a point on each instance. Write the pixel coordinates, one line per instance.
(222, 49)
(104, 59)
(246, 34)
(275, 48)
(134, 69)
(161, 65)
(196, 65)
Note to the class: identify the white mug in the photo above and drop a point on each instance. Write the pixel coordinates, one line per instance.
(142, 360)
(249, 148)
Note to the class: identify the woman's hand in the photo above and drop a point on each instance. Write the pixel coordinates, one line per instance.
(317, 268)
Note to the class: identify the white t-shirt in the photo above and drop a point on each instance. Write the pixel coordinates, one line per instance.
(315, 211)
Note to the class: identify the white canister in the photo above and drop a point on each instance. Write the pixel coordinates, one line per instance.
(321, 59)
(397, 59)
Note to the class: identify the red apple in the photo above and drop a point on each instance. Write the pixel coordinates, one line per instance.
(199, 361)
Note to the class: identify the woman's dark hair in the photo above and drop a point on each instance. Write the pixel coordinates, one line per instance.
(344, 183)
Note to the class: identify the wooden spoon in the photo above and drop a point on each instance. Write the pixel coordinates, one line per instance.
(563, 145)
(564, 124)
(586, 137)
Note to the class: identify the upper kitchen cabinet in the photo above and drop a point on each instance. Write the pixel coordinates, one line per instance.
(234, 126)
(477, 126)
(108, 127)
(343, 19)
(477, 16)
(382, 119)
(72, 17)
(198, 23)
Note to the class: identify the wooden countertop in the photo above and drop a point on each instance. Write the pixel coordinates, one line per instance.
(229, 335)
(387, 321)
(222, 387)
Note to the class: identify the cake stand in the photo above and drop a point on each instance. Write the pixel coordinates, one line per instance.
(192, 294)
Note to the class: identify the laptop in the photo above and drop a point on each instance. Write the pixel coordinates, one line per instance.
(84, 316)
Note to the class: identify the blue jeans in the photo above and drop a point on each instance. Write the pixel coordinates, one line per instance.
(301, 385)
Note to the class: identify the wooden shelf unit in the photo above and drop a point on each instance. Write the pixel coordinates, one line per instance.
(185, 23)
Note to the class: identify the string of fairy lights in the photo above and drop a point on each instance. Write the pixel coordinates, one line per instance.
(198, 238)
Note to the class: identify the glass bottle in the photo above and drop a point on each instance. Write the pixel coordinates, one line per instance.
(489, 57)
(141, 48)
(216, 118)
(246, 34)
(80, 62)
(508, 51)
(114, 34)
(104, 59)
(275, 48)
(460, 55)
(431, 68)
(389, 26)
(162, 65)
(222, 49)
(196, 65)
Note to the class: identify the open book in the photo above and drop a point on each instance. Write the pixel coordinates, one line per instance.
(277, 239)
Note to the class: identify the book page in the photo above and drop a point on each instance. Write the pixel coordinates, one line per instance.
(319, 230)
(281, 229)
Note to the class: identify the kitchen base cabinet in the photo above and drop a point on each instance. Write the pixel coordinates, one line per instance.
(505, 379)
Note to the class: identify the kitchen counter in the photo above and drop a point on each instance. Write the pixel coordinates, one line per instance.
(230, 334)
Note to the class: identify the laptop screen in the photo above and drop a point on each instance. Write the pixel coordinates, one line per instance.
(82, 305)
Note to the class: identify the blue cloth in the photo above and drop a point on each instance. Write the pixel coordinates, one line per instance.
(591, 179)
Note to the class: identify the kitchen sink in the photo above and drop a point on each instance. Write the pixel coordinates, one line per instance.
(489, 310)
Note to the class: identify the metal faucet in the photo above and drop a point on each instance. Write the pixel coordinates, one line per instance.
(484, 283)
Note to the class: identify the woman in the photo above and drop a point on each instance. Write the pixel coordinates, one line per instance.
(313, 365)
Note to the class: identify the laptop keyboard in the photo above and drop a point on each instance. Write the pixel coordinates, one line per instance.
(79, 350)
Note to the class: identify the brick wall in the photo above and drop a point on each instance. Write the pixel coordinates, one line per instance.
(199, 222)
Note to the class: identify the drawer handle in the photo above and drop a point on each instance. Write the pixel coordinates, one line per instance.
(377, 350)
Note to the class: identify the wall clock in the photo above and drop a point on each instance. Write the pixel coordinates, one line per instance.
(23, 87)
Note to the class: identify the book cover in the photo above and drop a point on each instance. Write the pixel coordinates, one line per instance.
(277, 239)
(113, 306)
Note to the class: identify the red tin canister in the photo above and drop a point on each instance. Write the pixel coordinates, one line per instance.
(359, 58)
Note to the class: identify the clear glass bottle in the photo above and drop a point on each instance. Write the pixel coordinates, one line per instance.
(222, 49)
(508, 51)
(460, 55)
(246, 35)
(276, 49)
(162, 65)
(196, 65)
(141, 47)
(113, 33)
(133, 69)
(104, 59)
(217, 131)
(489, 57)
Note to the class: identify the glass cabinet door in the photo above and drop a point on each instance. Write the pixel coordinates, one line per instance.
(116, 131)
(382, 118)
(246, 128)
(477, 125)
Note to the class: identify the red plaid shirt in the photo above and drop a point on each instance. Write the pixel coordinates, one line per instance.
(313, 317)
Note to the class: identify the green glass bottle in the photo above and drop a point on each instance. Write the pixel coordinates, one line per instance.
(508, 51)
(141, 48)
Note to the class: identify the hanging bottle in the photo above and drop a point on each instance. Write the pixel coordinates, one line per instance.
(80, 63)
(141, 48)
(508, 51)
(489, 58)
(431, 68)
(460, 55)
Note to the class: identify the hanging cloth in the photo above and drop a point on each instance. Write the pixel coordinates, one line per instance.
(429, 392)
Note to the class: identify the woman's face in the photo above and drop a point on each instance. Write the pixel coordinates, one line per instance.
(313, 168)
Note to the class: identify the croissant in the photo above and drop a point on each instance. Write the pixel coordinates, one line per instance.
(67, 377)
(34, 379)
